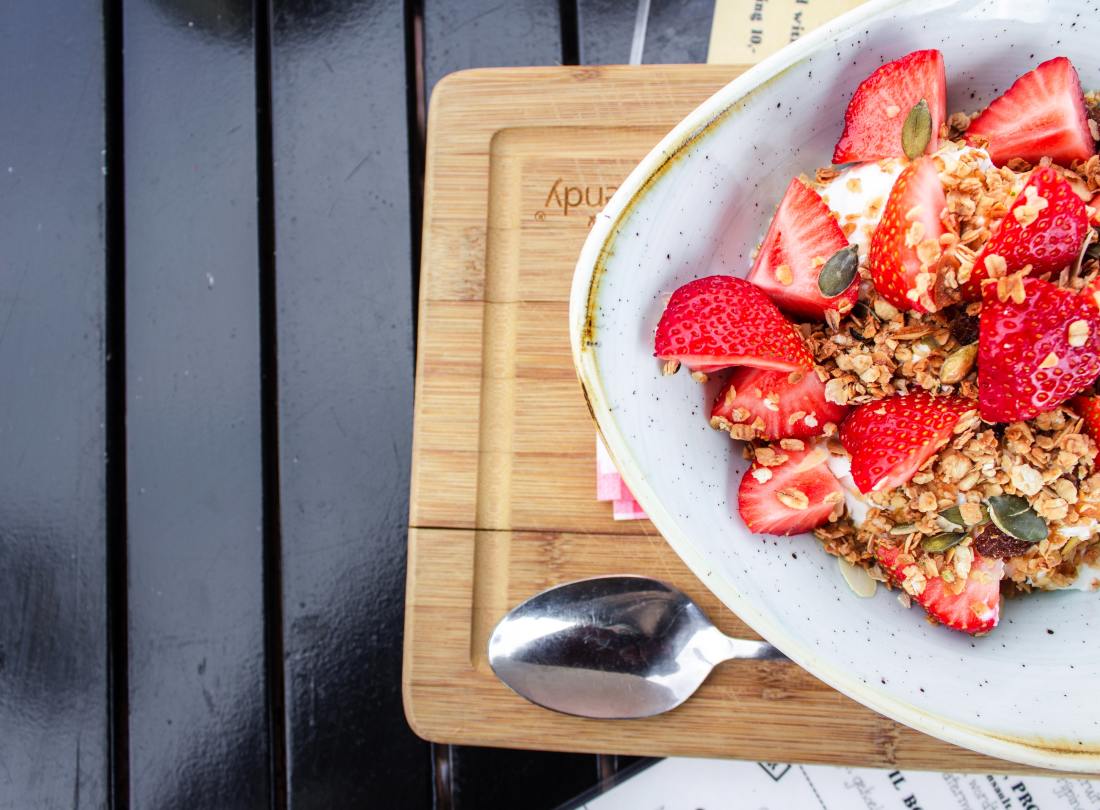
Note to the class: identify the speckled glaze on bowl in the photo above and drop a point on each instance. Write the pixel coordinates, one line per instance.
(697, 205)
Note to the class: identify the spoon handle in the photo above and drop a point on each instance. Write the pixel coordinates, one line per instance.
(746, 648)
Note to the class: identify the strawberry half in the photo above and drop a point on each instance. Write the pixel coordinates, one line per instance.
(721, 321)
(909, 232)
(975, 610)
(1088, 408)
(881, 103)
(788, 410)
(889, 440)
(1041, 115)
(803, 236)
(1044, 228)
(795, 496)
(1034, 355)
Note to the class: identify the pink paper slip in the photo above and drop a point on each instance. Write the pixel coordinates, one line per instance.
(610, 487)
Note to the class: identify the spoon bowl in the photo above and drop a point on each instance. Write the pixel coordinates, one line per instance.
(611, 647)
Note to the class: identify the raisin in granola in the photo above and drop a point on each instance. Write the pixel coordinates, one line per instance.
(992, 542)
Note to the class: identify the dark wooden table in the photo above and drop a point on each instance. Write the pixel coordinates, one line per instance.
(209, 225)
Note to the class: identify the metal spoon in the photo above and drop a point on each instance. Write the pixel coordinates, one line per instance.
(612, 647)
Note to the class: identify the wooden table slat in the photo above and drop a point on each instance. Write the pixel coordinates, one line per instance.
(677, 31)
(53, 543)
(344, 316)
(462, 34)
(198, 709)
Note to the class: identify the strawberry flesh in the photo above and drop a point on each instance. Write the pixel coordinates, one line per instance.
(1050, 239)
(911, 219)
(890, 439)
(1026, 362)
(795, 410)
(719, 321)
(1041, 115)
(881, 103)
(975, 610)
(803, 236)
(798, 495)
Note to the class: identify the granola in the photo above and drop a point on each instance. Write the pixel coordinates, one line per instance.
(942, 436)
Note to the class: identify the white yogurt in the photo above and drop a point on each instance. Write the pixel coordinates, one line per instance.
(851, 193)
(1081, 531)
(1087, 579)
(950, 154)
(858, 505)
(1088, 576)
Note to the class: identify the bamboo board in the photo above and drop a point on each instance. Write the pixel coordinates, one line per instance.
(503, 477)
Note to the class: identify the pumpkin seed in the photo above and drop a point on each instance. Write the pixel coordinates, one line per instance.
(837, 274)
(958, 364)
(942, 541)
(952, 515)
(916, 132)
(1013, 516)
(903, 528)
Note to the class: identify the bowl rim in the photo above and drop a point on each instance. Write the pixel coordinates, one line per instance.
(583, 297)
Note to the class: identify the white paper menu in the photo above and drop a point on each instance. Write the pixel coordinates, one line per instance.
(711, 784)
(745, 31)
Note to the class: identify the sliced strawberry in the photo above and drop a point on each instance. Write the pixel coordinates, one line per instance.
(880, 105)
(721, 321)
(889, 440)
(1044, 228)
(1035, 355)
(909, 231)
(795, 496)
(1041, 115)
(795, 410)
(803, 236)
(1094, 204)
(1092, 292)
(975, 610)
(1088, 408)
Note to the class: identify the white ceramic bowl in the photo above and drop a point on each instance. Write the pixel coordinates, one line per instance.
(697, 205)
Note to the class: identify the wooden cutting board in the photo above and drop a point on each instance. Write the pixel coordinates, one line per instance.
(503, 478)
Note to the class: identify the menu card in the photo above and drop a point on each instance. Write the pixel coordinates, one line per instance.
(745, 31)
(711, 784)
